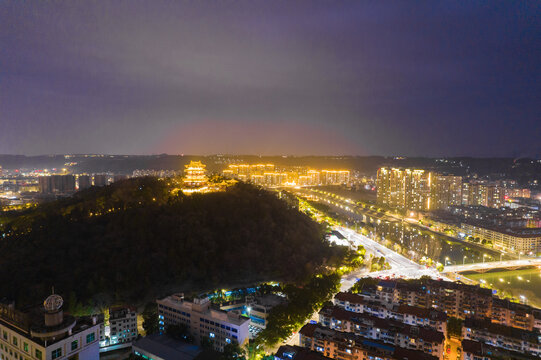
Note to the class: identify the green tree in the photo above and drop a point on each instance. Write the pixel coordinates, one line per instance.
(150, 318)
(233, 351)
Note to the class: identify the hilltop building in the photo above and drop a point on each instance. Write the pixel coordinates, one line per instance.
(195, 175)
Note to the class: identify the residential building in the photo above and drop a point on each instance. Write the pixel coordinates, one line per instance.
(203, 320)
(501, 336)
(47, 334)
(453, 298)
(122, 324)
(83, 182)
(475, 350)
(349, 346)
(411, 315)
(335, 177)
(57, 184)
(520, 241)
(101, 180)
(288, 352)
(390, 331)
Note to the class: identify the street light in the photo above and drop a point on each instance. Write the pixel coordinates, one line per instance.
(464, 260)
(446, 260)
(484, 256)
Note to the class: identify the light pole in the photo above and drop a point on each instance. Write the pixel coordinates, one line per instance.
(501, 255)
(446, 260)
(484, 256)
(464, 259)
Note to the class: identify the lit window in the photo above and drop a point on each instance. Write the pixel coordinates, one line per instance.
(56, 353)
(90, 337)
(74, 344)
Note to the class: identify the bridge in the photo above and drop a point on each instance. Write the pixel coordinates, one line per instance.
(483, 267)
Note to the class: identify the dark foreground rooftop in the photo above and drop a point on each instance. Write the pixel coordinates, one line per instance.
(166, 348)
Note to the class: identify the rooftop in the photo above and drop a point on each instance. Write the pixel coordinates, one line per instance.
(482, 349)
(167, 348)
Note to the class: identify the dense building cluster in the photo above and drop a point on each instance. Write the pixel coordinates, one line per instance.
(423, 190)
(399, 319)
(269, 175)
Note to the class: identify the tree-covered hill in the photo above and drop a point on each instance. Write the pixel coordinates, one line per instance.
(133, 240)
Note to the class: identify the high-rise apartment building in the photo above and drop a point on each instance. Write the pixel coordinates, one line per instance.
(417, 189)
(83, 182)
(404, 188)
(57, 184)
(446, 190)
(100, 180)
(335, 177)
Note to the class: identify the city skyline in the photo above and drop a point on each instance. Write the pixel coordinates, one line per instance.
(355, 78)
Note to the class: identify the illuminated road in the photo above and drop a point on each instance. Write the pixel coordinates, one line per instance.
(400, 265)
(492, 265)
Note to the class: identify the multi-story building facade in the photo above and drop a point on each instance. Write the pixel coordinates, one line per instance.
(269, 175)
(83, 182)
(417, 189)
(519, 241)
(123, 324)
(203, 320)
(412, 337)
(57, 184)
(349, 346)
(501, 336)
(100, 180)
(446, 190)
(335, 177)
(475, 350)
(47, 334)
(455, 299)
(410, 315)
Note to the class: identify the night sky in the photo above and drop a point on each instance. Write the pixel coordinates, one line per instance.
(428, 78)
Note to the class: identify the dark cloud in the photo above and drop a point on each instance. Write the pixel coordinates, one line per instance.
(393, 77)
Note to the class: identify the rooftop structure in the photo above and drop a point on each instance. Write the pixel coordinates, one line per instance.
(46, 333)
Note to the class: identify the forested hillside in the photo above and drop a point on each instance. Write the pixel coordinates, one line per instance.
(135, 240)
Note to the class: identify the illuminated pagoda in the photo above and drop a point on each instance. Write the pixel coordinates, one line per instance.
(195, 175)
